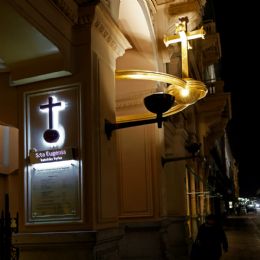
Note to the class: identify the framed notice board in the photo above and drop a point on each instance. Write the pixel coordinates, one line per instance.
(53, 172)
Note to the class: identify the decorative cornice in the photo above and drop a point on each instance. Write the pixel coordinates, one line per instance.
(105, 33)
(214, 111)
(69, 8)
(180, 8)
(211, 49)
(214, 104)
(106, 26)
(191, 9)
(77, 11)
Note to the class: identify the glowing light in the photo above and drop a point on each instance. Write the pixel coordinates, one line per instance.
(175, 86)
(184, 92)
(53, 165)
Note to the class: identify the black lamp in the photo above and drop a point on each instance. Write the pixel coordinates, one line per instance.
(157, 103)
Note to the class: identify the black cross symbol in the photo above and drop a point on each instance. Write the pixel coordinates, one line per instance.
(50, 105)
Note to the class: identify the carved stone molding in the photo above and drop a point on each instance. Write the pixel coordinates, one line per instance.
(152, 8)
(105, 25)
(211, 49)
(191, 9)
(135, 99)
(69, 8)
(77, 11)
(184, 7)
(129, 103)
(105, 33)
(214, 112)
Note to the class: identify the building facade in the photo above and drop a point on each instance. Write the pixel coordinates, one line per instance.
(84, 186)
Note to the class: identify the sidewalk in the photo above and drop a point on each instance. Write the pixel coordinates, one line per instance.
(243, 234)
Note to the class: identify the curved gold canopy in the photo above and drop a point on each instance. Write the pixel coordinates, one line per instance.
(186, 91)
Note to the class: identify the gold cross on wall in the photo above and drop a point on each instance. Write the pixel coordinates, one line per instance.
(183, 37)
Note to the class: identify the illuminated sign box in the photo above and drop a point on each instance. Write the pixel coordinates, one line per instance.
(53, 176)
(54, 155)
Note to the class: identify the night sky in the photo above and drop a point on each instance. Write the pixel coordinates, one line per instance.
(238, 28)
